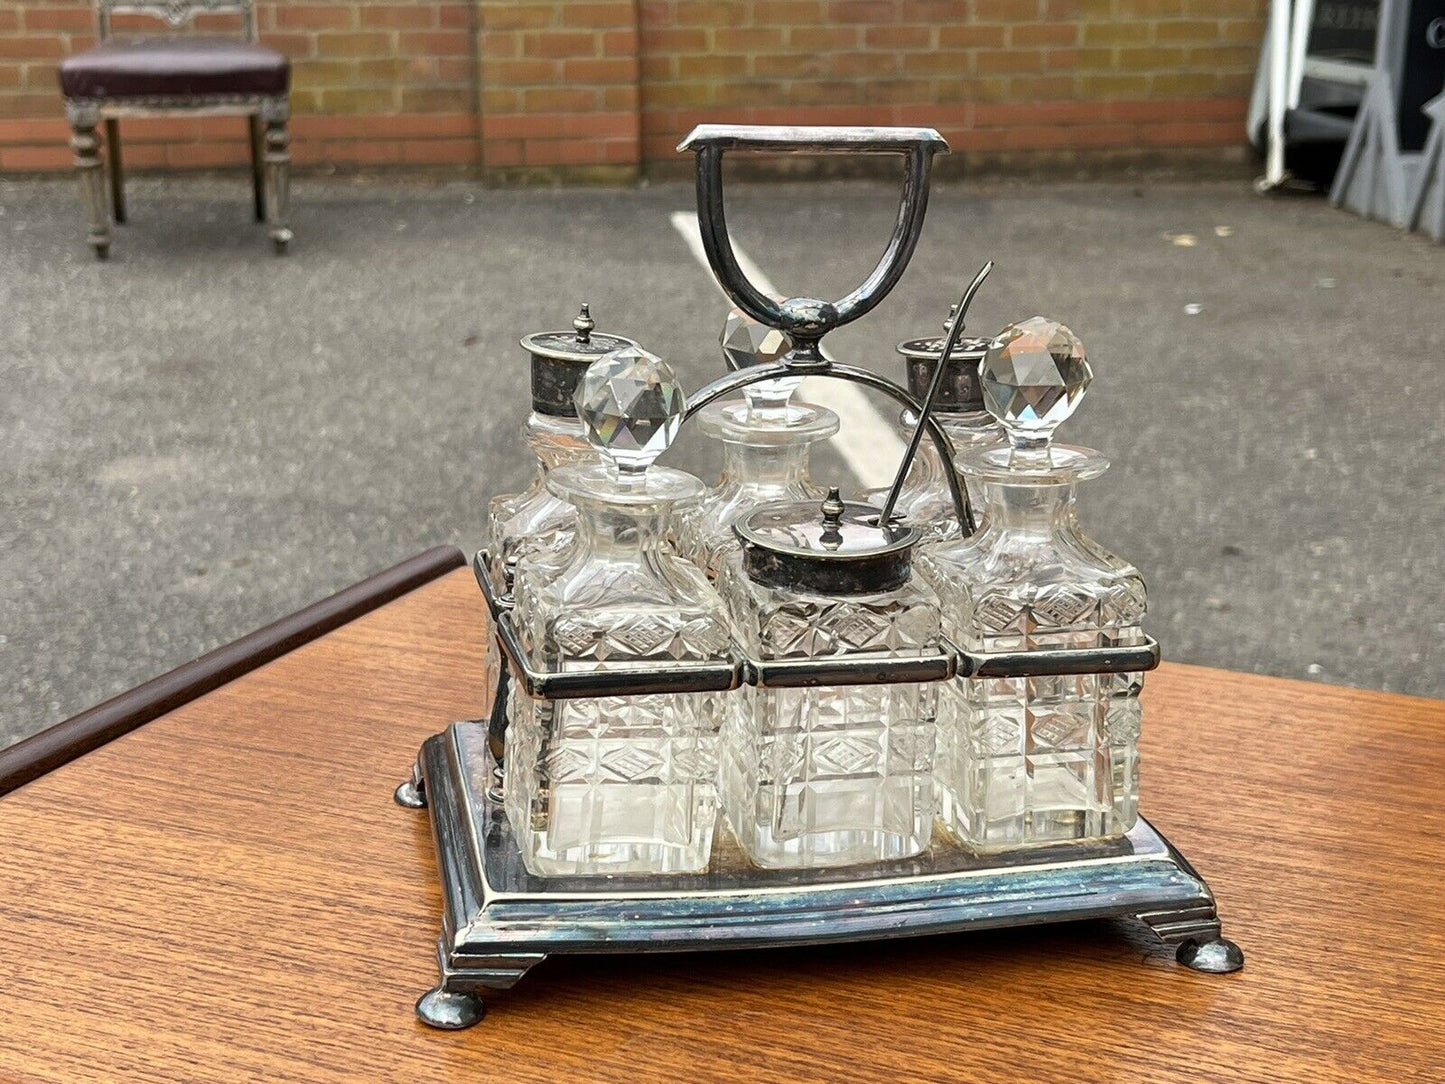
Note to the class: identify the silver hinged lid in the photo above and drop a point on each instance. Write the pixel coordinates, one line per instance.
(561, 358)
(836, 548)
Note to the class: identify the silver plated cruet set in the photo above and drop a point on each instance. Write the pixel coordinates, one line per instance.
(758, 713)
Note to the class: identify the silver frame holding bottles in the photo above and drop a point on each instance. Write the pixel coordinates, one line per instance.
(499, 920)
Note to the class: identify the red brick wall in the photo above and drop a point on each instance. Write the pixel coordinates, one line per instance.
(560, 84)
(999, 78)
(606, 87)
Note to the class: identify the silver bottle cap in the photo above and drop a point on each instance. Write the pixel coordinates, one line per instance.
(560, 360)
(837, 548)
(960, 392)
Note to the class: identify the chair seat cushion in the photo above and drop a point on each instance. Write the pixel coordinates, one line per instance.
(174, 66)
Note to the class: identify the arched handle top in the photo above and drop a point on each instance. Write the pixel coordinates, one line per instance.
(808, 319)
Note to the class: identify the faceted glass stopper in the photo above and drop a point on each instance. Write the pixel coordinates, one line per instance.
(746, 343)
(1033, 377)
(632, 405)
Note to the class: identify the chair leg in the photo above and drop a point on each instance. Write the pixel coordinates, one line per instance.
(86, 146)
(278, 183)
(117, 171)
(258, 169)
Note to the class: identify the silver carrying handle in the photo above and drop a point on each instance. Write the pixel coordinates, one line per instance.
(808, 319)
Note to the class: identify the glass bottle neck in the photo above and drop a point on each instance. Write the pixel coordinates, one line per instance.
(555, 441)
(774, 465)
(623, 533)
(1034, 510)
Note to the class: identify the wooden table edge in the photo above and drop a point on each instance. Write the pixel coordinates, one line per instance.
(33, 757)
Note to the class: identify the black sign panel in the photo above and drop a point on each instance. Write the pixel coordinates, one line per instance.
(1423, 76)
(1344, 30)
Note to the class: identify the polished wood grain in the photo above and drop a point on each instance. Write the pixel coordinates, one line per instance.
(228, 894)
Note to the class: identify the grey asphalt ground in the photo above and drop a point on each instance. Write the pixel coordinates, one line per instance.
(197, 438)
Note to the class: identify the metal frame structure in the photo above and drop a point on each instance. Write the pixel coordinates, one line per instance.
(267, 115)
(499, 920)
(1377, 177)
(1427, 206)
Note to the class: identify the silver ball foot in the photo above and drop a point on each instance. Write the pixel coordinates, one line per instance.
(440, 1008)
(1217, 957)
(409, 795)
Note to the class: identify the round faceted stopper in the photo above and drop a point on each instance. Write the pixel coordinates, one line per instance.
(1033, 377)
(632, 405)
(746, 343)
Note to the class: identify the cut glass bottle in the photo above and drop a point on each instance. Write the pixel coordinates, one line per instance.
(1043, 759)
(765, 459)
(840, 775)
(621, 784)
(536, 520)
(766, 439)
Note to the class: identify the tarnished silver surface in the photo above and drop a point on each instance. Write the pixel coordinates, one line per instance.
(960, 390)
(409, 794)
(852, 553)
(561, 358)
(1219, 956)
(930, 401)
(807, 319)
(499, 920)
(448, 1010)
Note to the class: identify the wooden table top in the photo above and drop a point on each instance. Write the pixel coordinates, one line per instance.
(229, 894)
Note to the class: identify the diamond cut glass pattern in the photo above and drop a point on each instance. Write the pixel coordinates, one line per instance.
(617, 784)
(632, 405)
(1044, 759)
(1034, 376)
(818, 777)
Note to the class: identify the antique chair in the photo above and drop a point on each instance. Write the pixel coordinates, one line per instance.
(178, 74)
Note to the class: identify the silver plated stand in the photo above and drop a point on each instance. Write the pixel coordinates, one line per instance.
(499, 920)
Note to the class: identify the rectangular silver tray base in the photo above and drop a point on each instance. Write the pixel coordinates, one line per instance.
(499, 920)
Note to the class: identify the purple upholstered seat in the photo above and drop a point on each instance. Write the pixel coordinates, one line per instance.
(174, 66)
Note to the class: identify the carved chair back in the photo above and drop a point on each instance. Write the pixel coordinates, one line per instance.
(177, 13)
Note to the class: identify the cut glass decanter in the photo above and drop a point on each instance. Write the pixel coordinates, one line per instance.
(829, 776)
(537, 520)
(1040, 759)
(621, 784)
(926, 501)
(767, 441)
